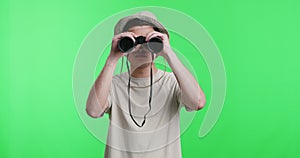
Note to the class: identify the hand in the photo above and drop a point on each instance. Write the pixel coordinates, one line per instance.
(167, 50)
(115, 52)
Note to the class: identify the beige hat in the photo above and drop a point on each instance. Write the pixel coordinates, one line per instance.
(145, 16)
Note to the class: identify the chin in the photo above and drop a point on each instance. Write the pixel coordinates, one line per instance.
(141, 66)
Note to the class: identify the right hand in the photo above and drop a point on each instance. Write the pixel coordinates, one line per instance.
(115, 52)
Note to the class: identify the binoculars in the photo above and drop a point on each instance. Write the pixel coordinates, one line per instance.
(154, 45)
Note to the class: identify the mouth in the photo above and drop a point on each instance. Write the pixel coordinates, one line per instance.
(141, 54)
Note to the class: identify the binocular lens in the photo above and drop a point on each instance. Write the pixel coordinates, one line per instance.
(125, 44)
(154, 45)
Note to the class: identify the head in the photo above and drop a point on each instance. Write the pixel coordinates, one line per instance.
(140, 56)
(141, 24)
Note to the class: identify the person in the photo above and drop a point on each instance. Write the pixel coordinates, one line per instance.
(142, 126)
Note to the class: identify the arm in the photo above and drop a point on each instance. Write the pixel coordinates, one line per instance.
(191, 94)
(97, 101)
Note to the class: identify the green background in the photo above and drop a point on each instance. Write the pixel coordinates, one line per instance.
(258, 40)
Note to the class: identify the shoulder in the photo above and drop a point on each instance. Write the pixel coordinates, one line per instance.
(170, 77)
(119, 78)
(169, 80)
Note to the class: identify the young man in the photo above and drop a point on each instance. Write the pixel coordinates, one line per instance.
(144, 103)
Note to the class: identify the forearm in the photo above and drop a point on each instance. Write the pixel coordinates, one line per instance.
(97, 100)
(191, 93)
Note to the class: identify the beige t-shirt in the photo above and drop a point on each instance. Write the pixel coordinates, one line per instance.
(160, 136)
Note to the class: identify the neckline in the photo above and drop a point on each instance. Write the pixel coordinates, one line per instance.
(143, 82)
(155, 75)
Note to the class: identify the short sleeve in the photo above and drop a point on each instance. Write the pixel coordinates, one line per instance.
(177, 91)
(107, 110)
(110, 99)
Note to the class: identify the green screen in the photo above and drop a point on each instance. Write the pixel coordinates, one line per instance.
(258, 42)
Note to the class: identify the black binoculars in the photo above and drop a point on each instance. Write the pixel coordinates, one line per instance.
(154, 45)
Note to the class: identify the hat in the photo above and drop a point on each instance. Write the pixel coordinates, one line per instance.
(144, 16)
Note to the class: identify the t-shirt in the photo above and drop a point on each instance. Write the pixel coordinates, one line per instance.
(160, 135)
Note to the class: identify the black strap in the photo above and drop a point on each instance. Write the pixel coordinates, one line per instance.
(128, 90)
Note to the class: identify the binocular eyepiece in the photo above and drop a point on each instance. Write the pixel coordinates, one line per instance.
(154, 45)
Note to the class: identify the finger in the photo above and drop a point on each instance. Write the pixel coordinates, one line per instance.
(125, 34)
(130, 34)
(149, 35)
(156, 34)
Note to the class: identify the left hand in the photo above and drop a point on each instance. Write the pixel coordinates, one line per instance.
(167, 50)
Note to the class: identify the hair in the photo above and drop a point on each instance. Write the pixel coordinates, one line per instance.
(139, 22)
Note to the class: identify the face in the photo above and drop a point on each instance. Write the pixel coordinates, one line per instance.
(140, 56)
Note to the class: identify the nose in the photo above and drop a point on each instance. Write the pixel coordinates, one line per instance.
(141, 48)
(138, 47)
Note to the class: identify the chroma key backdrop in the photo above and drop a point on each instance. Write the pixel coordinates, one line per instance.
(244, 54)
